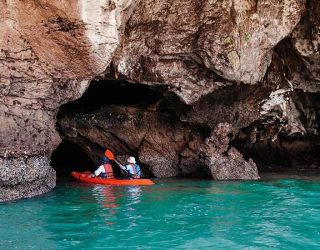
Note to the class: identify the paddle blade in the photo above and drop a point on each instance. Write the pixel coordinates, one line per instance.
(109, 154)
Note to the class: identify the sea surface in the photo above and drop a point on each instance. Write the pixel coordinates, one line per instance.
(173, 214)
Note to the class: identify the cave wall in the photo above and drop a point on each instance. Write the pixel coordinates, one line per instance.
(49, 52)
(48, 60)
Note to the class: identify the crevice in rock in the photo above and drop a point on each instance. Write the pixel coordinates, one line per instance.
(313, 7)
(309, 105)
(284, 137)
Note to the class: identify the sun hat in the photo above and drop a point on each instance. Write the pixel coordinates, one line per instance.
(132, 160)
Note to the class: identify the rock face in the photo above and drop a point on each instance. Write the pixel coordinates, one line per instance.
(203, 41)
(25, 177)
(247, 68)
(45, 61)
(226, 162)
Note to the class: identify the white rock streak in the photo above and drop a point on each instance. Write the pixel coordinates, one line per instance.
(101, 20)
(276, 99)
(281, 105)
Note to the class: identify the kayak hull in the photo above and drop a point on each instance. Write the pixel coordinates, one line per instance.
(85, 177)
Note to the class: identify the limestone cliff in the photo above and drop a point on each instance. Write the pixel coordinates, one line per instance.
(235, 77)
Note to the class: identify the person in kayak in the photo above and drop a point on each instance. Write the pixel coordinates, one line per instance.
(132, 168)
(104, 170)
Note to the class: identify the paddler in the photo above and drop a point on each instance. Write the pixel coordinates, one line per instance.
(104, 170)
(132, 168)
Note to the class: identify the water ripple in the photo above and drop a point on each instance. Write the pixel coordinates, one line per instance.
(281, 214)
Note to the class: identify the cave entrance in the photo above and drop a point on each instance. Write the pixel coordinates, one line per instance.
(70, 157)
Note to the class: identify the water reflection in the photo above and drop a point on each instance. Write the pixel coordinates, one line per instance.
(105, 195)
(110, 196)
(134, 195)
(116, 201)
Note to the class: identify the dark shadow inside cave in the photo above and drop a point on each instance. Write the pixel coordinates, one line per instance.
(294, 154)
(70, 157)
(102, 93)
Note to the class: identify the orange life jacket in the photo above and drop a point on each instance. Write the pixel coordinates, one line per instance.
(108, 170)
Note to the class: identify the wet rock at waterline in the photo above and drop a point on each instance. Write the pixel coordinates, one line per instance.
(25, 177)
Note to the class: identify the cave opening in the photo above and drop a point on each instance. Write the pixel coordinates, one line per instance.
(84, 155)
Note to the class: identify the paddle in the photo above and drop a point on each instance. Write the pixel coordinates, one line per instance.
(111, 157)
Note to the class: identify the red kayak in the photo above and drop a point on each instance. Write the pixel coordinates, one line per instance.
(85, 177)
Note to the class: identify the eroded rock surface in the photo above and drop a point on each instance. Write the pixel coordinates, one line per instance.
(49, 50)
(47, 60)
(224, 161)
(25, 177)
(189, 44)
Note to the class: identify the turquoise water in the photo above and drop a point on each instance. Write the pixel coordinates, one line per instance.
(275, 214)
